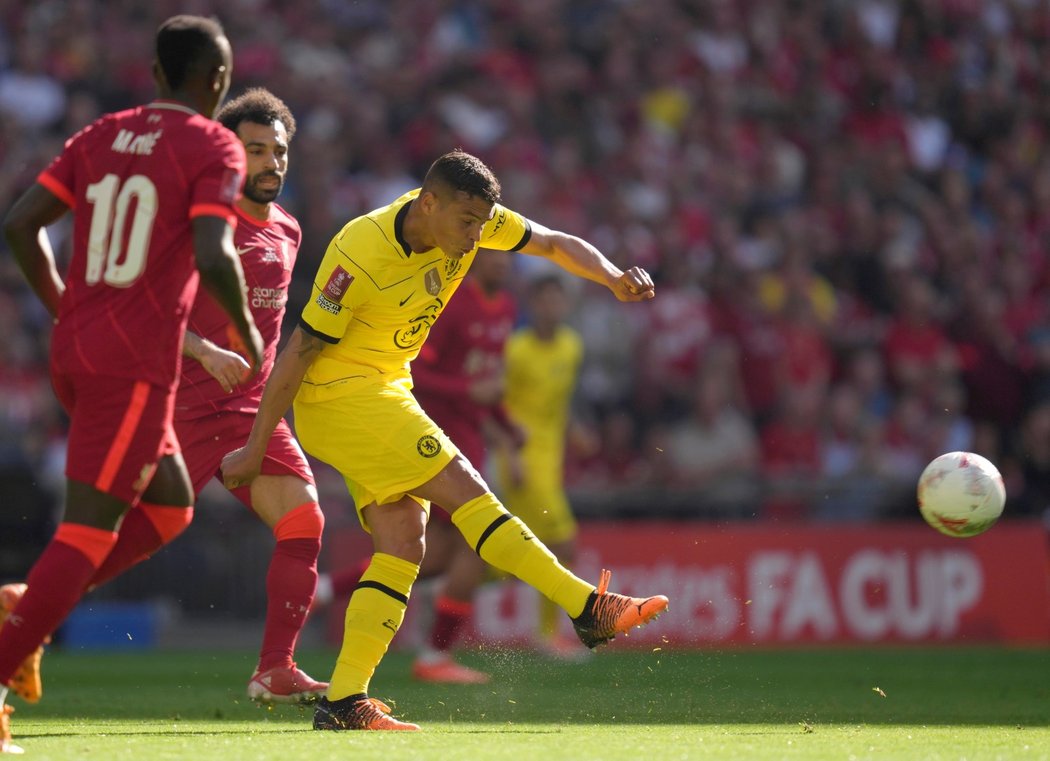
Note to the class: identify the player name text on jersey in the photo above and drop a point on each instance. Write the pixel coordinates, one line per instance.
(128, 142)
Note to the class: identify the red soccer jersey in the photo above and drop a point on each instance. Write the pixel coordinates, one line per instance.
(464, 345)
(267, 251)
(135, 179)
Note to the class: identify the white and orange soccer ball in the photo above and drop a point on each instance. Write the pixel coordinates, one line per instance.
(961, 494)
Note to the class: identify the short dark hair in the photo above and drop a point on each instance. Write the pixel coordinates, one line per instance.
(461, 171)
(186, 42)
(541, 283)
(258, 106)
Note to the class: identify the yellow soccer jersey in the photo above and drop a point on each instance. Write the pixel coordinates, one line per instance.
(540, 380)
(374, 299)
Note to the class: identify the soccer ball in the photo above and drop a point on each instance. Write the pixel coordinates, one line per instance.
(961, 494)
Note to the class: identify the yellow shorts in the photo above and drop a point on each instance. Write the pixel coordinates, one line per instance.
(378, 438)
(545, 512)
(540, 503)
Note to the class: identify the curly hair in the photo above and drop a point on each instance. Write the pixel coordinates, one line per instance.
(258, 106)
(459, 170)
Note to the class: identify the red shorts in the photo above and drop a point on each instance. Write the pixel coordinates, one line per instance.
(119, 428)
(206, 440)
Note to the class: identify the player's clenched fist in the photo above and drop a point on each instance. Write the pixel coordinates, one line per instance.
(239, 468)
(635, 285)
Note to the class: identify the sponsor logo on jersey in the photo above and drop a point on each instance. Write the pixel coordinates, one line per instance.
(428, 446)
(418, 327)
(432, 281)
(327, 305)
(337, 284)
(268, 298)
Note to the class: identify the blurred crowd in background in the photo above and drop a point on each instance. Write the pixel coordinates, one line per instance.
(845, 205)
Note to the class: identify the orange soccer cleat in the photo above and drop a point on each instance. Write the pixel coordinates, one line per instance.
(285, 684)
(25, 682)
(441, 669)
(6, 745)
(608, 614)
(358, 712)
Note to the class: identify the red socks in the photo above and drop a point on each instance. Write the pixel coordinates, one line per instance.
(56, 582)
(450, 616)
(290, 583)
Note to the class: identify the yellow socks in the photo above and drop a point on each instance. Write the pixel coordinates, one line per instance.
(376, 610)
(505, 542)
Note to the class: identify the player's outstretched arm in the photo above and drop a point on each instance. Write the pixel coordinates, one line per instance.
(242, 465)
(24, 229)
(227, 367)
(223, 278)
(580, 258)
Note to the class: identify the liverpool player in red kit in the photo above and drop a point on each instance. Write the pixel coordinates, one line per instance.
(152, 190)
(214, 409)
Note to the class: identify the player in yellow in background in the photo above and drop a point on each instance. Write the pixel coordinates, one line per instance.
(542, 364)
(384, 280)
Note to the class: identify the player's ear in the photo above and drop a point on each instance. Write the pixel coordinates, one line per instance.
(428, 201)
(159, 77)
(217, 78)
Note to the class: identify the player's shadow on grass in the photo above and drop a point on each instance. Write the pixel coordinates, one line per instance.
(874, 686)
(109, 731)
(240, 731)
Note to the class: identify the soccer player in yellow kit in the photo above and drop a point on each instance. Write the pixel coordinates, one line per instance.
(384, 280)
(542, 363)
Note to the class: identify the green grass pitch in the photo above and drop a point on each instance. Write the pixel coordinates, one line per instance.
(906, 703)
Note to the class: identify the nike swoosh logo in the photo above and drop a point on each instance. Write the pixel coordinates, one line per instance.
(405, 300)
(242, 251)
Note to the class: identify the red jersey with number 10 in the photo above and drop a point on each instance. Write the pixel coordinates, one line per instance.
(267, 251)
(135, 180)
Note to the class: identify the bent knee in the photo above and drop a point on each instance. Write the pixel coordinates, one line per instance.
(408, 549)
(398, 529)
(303, 522)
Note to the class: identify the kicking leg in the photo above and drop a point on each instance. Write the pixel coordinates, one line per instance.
(505, 542)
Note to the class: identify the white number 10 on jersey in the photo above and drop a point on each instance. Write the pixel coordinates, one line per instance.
(105, 259)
